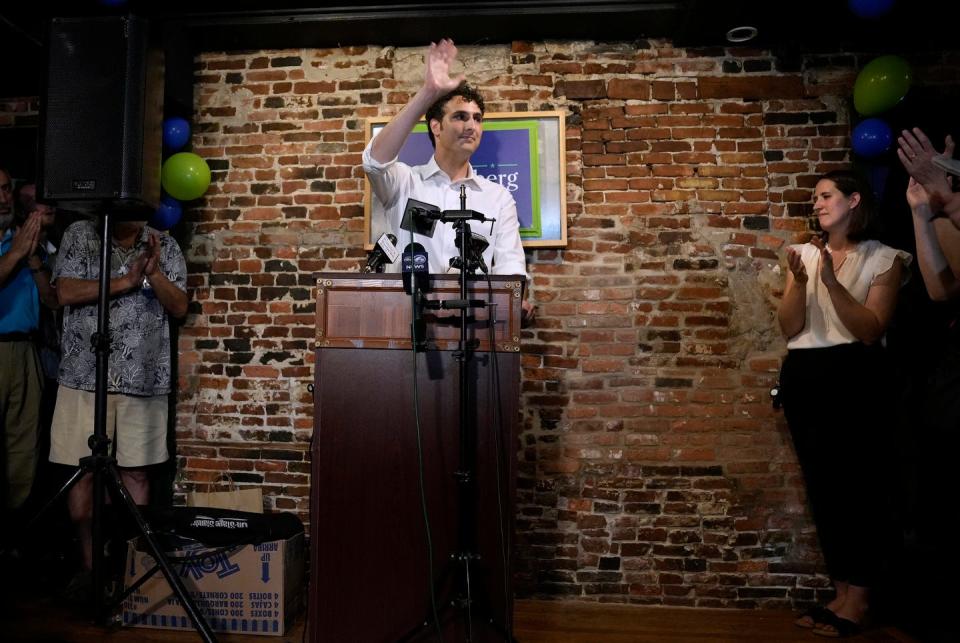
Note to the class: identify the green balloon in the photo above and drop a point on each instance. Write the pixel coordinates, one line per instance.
(185, 176)
(881, 84)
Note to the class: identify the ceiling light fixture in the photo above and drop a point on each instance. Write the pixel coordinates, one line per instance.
(744, 33)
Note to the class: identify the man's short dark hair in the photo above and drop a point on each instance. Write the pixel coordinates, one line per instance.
(464, 91)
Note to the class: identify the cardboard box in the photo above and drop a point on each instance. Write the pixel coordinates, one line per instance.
(255, 589)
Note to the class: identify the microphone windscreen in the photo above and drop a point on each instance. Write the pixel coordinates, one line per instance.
(415, 258)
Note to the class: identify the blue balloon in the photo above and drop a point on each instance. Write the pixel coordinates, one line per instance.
(176, 133)
(870, 8)
(167, 214)
(872, 137)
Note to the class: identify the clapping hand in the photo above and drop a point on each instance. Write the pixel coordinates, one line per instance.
(134, 274)
(440, 58)
(152, 254)
(917, 197)
(145, 265)
(795, 263)
(916, 153)
(828, 274)
(26, 238)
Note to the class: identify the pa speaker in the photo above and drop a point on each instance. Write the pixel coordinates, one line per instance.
(102, 115)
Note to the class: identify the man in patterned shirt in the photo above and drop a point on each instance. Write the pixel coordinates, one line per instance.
(147, 286)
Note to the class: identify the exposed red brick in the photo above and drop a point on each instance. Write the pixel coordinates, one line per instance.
(582, 89)
(629, 89)
(765, 87)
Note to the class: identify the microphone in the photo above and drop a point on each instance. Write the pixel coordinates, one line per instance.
(475, 247)
(383, 253)
(476, 244)
(416, 281)
(416, 269)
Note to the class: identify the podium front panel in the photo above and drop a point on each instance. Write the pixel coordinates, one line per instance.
(369, 565)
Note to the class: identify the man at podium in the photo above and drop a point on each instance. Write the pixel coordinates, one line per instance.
(454, 115)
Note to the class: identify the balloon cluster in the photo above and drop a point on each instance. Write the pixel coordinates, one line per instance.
(880, 85)
(184, 176)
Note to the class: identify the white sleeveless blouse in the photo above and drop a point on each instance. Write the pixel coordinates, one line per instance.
(858, 272)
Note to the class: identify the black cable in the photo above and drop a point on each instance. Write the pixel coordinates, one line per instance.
(416, 417)
(498, 426)
(21, 31)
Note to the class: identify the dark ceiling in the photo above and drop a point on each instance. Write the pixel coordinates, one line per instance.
(786, 28)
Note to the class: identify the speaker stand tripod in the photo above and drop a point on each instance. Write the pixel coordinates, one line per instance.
(104, 467)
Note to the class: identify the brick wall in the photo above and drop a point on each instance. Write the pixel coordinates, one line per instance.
(652, 467)
(18, 112)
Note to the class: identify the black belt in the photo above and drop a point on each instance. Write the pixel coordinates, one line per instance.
(16, 337)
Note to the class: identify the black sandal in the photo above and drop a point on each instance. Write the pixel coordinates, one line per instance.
(817, 614)
(842, 627)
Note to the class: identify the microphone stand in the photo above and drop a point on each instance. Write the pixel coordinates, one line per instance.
(466, 554)
(103, 467)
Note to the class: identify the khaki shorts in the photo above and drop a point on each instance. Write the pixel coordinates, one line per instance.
(142, 435)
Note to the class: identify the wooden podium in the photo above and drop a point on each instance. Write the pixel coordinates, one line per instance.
(369, 565)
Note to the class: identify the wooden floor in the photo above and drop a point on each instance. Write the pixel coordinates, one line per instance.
(47, 621)
(566, 622)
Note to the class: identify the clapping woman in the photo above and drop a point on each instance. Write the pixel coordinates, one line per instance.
(839, 297)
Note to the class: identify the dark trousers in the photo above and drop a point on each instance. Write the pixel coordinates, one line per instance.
(839, 407)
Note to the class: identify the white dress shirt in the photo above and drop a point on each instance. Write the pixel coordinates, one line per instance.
(394, 182)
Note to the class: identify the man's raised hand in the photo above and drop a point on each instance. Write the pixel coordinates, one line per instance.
(440, 58)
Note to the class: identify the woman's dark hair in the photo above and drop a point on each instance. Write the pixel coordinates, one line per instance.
(862, 215)
(464, 91)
